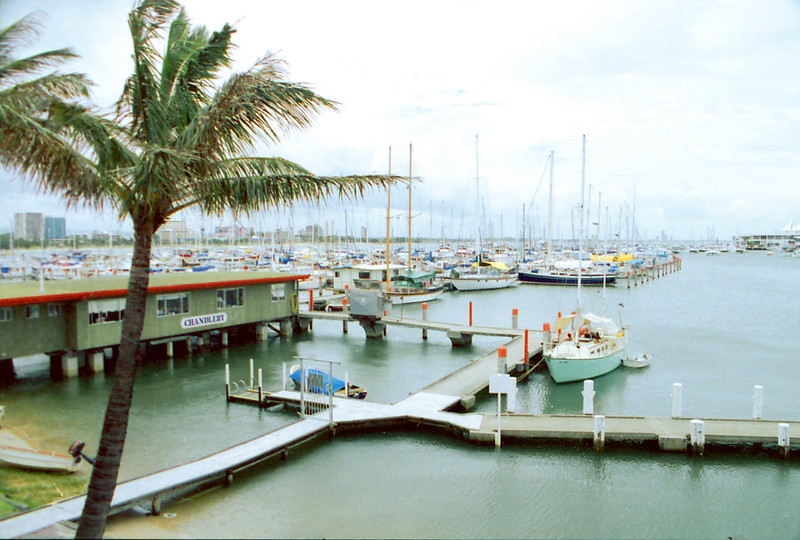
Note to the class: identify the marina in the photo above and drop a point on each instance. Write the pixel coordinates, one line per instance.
(634, 402)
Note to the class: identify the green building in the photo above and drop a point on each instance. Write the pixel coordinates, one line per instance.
(75, 320)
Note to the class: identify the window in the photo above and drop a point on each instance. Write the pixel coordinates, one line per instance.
(227, 298)
(54, 310)
(106, 311)
(278, 292)
(364, 274)
(32, 312)
(172, 304)
(6, 314)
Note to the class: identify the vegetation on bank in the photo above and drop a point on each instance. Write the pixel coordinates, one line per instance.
(21, 489)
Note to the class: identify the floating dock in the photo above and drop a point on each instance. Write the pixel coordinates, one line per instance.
(431, 408)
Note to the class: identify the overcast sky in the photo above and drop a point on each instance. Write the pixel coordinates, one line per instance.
(691, 109)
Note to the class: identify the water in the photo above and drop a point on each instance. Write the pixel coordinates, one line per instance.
(719, 326)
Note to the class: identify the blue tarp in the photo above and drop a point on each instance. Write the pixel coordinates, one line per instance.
(317, 381)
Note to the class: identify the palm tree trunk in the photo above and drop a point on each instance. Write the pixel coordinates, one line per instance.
(106, 468)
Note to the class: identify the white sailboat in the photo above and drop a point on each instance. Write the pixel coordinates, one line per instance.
(586, 345)
(482, 275)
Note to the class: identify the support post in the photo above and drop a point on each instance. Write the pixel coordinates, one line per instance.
(224, 338)
(546, 338)
(251, 373)
(525, 349)
(170, 349)
(425, 318)
(283, 376)
(783, 438)
(588, 397)
(227, 382)
(502, 366)
(698, 437)
(599, 432)
(260, 388)
(677, 397)
(514, 318)
(470, 313)
(758, 401)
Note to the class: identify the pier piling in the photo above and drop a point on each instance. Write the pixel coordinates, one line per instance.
(783, 438)
(424, 318)
(588, 397)
(599, 432)
(514, 318)
(698, 436)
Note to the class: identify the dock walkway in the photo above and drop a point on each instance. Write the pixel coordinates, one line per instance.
(429, 406)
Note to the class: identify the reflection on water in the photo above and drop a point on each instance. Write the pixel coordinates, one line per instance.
(710, 327)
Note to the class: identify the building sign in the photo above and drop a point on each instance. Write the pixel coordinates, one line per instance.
(203, 320)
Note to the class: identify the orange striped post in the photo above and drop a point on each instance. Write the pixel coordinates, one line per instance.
(470, 313)
(526, 347)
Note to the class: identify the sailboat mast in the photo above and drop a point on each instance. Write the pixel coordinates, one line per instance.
(409, 207)
(388, 217)
(580, 230)
(550, 213)
(478, 202)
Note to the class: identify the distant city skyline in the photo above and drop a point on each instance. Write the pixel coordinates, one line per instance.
(690, 108)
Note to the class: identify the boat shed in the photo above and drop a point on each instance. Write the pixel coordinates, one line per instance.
(70, 317)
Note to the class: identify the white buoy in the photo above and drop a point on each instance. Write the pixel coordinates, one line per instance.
(783, 438)
(677, 391)
(588, 397)
(698, 436)
(758, 401)
(599, 432)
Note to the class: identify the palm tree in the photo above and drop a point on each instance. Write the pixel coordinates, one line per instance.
(37, 135)
(180, 139)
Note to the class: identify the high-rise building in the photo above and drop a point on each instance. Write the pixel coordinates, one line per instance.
(55, 228)
(28, 226)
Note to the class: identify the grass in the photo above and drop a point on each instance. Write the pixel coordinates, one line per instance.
(33, 489)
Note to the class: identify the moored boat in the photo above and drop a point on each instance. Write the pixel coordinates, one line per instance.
(317, 381)
(25, 458)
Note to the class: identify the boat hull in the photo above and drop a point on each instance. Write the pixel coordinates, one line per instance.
(481, 283)
(414, 297)
(565, 370)
(41, 461)
(547, 278)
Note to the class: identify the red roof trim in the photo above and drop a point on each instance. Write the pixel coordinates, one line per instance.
(116, 293)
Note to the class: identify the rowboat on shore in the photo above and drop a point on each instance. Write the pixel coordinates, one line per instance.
(26, 458)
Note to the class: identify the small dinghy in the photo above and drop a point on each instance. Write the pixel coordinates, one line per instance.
(640, 361)
(26, 458)
(317, 382)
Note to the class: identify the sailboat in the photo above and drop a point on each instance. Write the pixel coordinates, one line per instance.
(586, 345)
(482, 275)
(562, 272)
(412, 286)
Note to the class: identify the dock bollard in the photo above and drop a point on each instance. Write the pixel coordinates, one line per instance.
(698, 436)
(424, 318)
(227, 382)
(677, 390)
(588, 397)
(260, 388)
(599, 432)
(758, 401)
(514, 318)
(502, 367)
(344, 309)
(546, 337)
(783, 438)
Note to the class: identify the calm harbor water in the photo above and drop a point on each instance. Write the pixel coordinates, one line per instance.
(719, 326)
